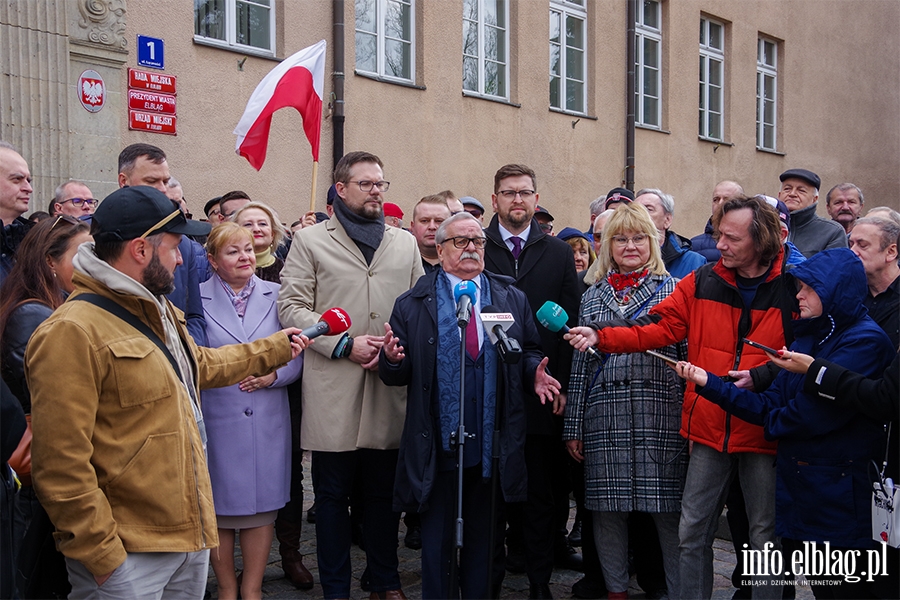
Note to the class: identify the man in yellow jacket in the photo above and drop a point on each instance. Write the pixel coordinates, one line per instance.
(118, 454)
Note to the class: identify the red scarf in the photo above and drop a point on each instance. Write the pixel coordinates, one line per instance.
(623, 284)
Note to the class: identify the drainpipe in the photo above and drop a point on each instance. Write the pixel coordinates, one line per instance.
(629, 94)
(337, 77)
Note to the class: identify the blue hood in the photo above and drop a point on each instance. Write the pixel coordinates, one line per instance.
(838, 277)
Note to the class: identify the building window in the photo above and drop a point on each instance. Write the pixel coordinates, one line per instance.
(384, 38)
(712, 63)
(766, 90)
(648, 58)
(567, 55)
(242, 24)
(485, 48)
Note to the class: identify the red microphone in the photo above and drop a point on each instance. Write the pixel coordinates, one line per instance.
(333, 321)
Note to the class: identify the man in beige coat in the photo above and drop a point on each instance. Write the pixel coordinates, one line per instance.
(351, 420)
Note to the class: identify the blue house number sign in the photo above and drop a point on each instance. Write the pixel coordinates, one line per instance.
(150, 52)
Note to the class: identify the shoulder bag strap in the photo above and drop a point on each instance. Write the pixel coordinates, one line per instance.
(118, 310)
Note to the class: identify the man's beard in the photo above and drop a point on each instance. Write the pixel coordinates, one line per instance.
(369, 212)
(156, 278)
(517, 221)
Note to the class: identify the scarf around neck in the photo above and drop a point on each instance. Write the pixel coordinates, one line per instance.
(367, 233)
(624, 284)
(448, 369)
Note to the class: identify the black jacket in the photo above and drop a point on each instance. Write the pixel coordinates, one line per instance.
(545, 271)
(414, 322)
(21, 324)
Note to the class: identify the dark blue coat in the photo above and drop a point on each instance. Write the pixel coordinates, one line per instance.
(678, 256)
(705, 244)
(188, 276)
(823, 490)
(414, 322)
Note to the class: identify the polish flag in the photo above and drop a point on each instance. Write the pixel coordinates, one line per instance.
(297, 82)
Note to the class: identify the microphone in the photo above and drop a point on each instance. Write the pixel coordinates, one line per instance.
(496, 323)
(552, 316)
(464, 295)
(333, 321)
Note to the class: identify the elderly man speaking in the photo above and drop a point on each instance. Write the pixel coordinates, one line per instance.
(424, 326)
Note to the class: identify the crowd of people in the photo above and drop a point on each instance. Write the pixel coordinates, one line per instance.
(180, 432)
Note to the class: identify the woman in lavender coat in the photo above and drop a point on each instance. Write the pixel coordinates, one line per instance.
(247, 424)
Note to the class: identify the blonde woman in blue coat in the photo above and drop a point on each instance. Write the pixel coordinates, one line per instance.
(248, 424)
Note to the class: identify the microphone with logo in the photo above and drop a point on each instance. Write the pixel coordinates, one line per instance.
(333, 321)
(464, 295)
(497, 323)
(552, 316)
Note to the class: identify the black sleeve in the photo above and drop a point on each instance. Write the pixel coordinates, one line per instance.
(763, 376)
(12, 423)
(875, 398)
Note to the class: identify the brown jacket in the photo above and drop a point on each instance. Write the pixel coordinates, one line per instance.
(118, 462)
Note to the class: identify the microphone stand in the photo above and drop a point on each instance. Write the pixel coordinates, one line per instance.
(459, 438)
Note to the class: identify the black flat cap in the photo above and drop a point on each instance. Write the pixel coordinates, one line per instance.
(807, 176)
(141, 211)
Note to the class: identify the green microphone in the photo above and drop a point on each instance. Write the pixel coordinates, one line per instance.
(553, 316)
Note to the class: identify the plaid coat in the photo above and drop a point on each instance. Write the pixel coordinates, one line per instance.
(628, 413)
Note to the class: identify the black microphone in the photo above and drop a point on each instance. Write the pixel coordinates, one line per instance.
(496, 324)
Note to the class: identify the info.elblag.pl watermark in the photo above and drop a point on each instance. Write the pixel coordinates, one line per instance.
(812, 561)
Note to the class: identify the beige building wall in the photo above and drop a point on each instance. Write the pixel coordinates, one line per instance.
(839, 104)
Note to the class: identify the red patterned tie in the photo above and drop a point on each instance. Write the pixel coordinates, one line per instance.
(472, 335)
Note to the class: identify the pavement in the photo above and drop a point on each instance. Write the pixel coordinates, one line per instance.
(514, 586)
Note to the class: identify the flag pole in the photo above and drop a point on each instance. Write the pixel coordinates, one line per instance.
(312, 195)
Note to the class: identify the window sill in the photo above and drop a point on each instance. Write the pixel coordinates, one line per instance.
(767, 151)
(716, 142)
(468, 94)
(572, 113)
(245, 50)
(400, 82)
(650, 128)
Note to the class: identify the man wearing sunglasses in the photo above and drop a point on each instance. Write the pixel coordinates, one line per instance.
(73, 198)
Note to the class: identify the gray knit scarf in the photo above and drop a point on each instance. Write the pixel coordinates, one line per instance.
(367, 233)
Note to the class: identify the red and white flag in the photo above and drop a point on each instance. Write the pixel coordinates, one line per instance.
(298, 82)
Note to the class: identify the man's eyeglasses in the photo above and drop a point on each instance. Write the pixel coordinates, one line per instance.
(80, 201)
(463, 242)
(622, 241)
(546, 227)
(511, 194)
(214, 212)
(366, 186)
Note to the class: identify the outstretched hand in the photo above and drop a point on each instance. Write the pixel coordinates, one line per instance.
(692, 373)
(795, 362)
(393, 351)
(545, 386)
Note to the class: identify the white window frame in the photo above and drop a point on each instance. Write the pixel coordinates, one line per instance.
(710, 55)
(381, 11)
(641, 33)
(230, 42)
(481, 26)
(572, 9)
(766, 68)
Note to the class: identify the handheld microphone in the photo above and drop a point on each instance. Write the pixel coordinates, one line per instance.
(496, 323)
(552, 316)
(464, 295)
(333, 321)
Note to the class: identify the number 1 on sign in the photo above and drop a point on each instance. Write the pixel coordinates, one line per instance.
(152, 48)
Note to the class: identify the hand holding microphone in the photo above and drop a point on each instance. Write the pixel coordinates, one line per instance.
(552, 316)
(333, 321)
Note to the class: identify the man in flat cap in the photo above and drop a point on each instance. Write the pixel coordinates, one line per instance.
(118, 449)
(810, 233)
